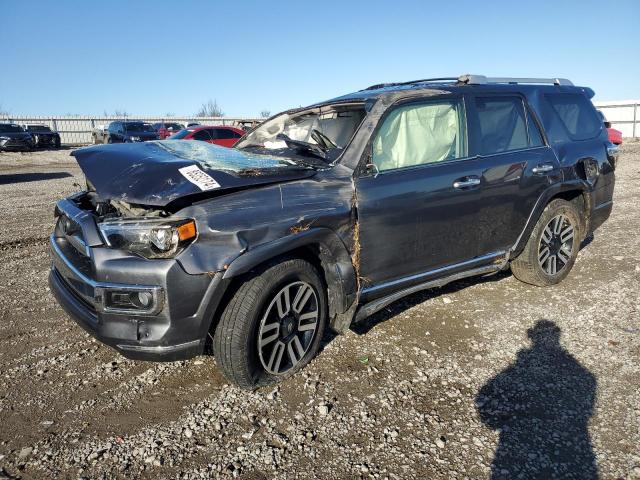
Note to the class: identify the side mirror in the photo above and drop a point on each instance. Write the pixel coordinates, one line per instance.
(370, 167)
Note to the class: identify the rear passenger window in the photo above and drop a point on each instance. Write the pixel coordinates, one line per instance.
(502, 125)
(577, 114)
(535, 139)
(419, 134)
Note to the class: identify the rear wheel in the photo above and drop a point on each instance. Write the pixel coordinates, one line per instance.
(273, 324)
(552, 247)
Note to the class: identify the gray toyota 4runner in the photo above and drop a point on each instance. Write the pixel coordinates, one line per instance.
(323, 215)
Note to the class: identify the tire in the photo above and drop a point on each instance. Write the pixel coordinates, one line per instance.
(251, 314)
(550, 238)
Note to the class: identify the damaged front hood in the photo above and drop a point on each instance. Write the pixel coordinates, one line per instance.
(157, 173)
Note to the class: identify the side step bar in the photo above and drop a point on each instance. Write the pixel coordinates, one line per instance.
(374, 306)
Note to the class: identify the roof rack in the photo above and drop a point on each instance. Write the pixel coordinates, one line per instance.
(469, 79)
(482, 80)
(413, 82)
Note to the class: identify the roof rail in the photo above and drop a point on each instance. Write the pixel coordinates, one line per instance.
(413, 82)
(482, 80)
(469, 79)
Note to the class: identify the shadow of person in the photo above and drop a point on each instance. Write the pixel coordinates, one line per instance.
(541, 406)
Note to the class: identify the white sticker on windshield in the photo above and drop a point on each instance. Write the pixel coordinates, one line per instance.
(201, 179)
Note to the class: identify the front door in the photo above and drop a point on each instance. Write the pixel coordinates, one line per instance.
(417, 205)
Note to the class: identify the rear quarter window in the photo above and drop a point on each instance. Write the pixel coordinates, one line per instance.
(576, 114)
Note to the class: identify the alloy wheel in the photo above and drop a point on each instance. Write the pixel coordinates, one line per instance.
(556, 245)
(288, 327)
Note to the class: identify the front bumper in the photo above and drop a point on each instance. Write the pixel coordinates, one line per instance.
(177, 330)
(44, 140)
(16, 145)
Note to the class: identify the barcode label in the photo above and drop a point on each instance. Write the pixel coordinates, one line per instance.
(201, 179)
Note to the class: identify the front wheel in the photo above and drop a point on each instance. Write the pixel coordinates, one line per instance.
(552, 247)
(273, 324)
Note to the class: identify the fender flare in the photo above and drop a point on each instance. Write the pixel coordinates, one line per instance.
(577, 185)
(333, 256)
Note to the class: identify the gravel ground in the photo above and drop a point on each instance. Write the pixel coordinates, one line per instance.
(485, 375)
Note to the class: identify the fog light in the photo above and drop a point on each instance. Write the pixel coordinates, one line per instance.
(142, 299)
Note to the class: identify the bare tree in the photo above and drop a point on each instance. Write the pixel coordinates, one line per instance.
(265, 113)
(116, 113)
(210, 109)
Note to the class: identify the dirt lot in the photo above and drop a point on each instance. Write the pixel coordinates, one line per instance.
(480, 375)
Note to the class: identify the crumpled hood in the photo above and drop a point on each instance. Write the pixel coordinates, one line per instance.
(157, 173)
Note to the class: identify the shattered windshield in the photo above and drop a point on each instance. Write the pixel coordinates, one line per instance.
(323, 129)
(220, 158)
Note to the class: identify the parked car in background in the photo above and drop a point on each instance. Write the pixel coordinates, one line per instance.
(218, 135)
(166, 129)
(615, 136)
(99, 133)
(247, 125)
(129, 132)
(13, 137)
(43, 136)
(192, 124)
(326, 214)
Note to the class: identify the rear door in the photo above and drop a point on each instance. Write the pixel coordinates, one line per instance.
(417, 204)
(516, 167)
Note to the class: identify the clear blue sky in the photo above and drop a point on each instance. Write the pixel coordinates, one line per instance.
(156, 57)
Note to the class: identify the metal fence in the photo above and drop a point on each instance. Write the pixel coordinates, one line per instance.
(77, 130)
(624, 116)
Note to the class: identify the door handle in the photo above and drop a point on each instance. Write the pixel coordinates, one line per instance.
(465, 183)
(547, 167)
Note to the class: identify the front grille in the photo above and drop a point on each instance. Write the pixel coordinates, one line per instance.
(15, 143)
(74, 292)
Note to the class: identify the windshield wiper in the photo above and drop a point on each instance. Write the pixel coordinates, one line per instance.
(306, 146)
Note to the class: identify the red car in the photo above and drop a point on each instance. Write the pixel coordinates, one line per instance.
(219, 135)
(615, 136)
(166, 129)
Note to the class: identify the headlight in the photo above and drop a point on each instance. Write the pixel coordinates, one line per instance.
(135, 139)
(149, 238)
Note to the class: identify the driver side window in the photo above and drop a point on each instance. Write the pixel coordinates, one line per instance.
(419, 134)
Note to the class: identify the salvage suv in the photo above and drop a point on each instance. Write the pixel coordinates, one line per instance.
(323, 215)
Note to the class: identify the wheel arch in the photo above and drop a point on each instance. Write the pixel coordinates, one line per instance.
(321, 247)
(577, 192)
